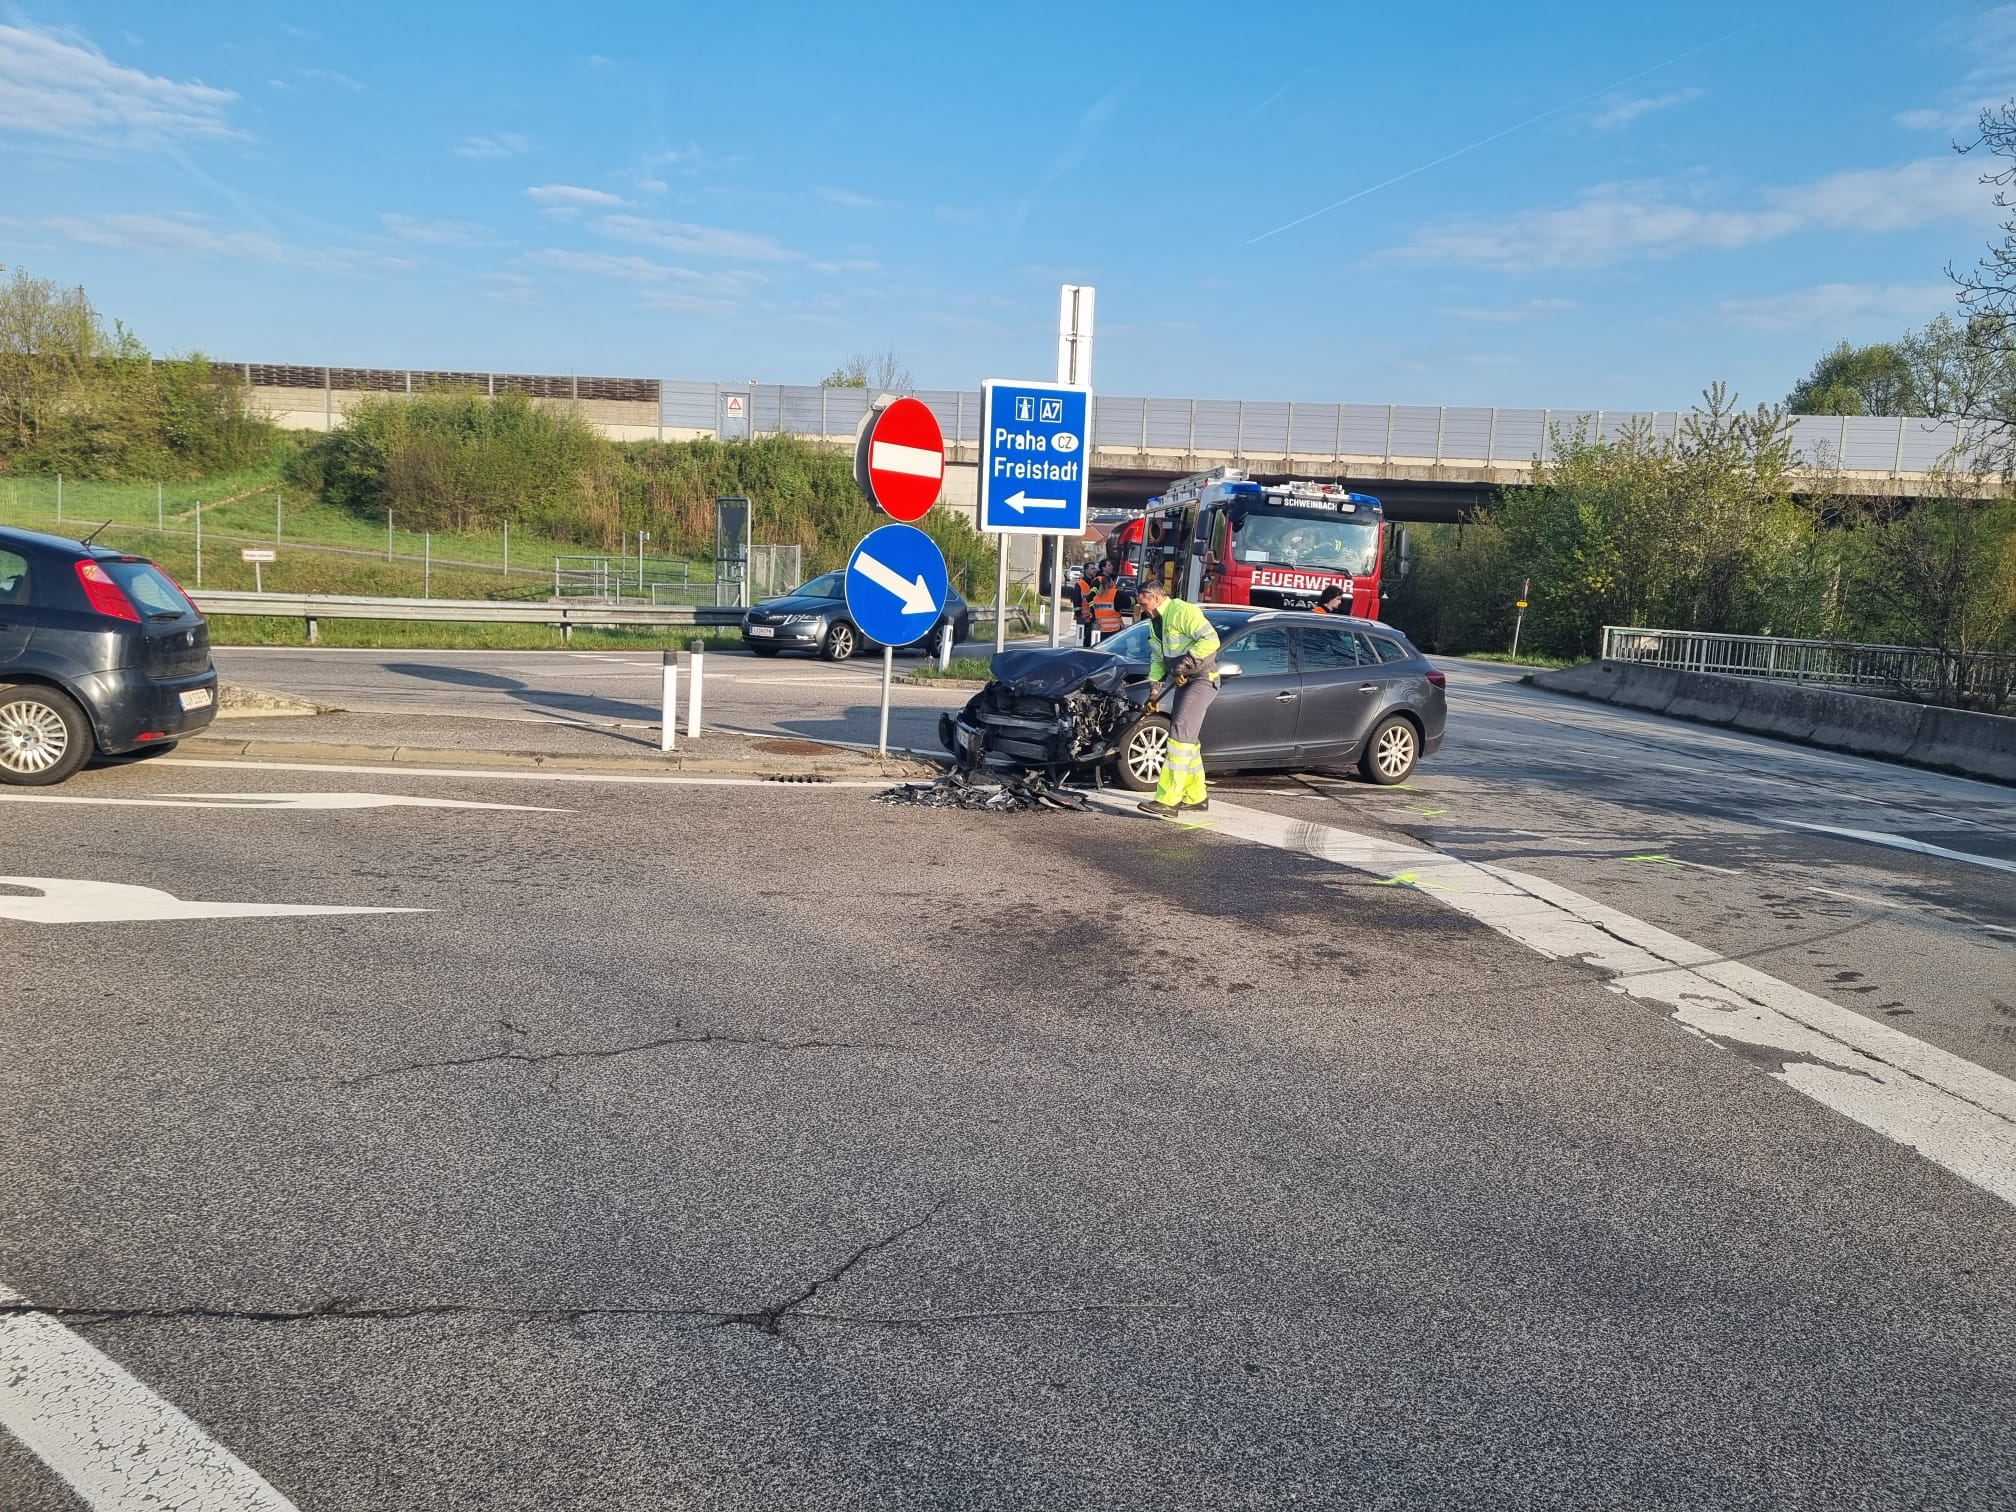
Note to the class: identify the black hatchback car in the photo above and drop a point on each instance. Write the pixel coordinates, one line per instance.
(1296, 691)
(101, 653)
(814, 618)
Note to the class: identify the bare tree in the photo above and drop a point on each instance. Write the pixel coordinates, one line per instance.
(881, 371)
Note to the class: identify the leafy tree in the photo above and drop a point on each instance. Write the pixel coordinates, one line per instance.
(1852, 380)
(1940, 573)
(79, 399)
(1697, 530)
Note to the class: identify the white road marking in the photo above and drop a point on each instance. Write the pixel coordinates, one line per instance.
(1953, 1112)
(274, 801)
(116, 1444)
(494, 774)
(68, 900)
(1905, 843)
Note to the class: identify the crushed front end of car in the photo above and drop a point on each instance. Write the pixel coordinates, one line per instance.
(1056, 711)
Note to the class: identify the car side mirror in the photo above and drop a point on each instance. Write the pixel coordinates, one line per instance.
(1230, 669)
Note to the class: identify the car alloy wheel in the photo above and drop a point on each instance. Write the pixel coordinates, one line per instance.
(33, 737)
(1146, 750)
(839, 643)
(1393, 751)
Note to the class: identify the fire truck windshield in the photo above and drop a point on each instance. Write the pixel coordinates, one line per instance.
(1313, 544)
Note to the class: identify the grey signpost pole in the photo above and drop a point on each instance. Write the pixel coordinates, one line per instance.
(1074, 366)
(888, 670)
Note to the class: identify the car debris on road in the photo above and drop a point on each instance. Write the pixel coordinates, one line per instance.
(997, 791)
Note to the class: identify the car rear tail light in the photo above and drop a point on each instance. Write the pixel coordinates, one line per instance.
(106, 596)
(1439, 679)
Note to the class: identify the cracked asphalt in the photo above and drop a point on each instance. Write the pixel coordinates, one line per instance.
(769, 1148)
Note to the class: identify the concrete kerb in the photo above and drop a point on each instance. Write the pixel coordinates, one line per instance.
(1947, 740)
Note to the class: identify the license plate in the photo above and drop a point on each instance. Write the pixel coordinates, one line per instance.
(763, 632)
(198, 698)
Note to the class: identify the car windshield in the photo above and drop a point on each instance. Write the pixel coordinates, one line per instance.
(1311, 543)
(826, 585)
(1132, 643)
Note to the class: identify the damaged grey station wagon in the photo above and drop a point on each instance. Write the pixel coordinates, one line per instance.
(1298, 691)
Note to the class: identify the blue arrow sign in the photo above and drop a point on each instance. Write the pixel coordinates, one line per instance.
(896, 584)
(1035, 449)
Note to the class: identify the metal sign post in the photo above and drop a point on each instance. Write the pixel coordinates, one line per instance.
(732, 513)
(258, 556)
(1525, 593)
(1074, 366)
(896, 586)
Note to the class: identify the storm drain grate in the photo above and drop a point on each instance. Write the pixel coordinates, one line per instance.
(794, 777)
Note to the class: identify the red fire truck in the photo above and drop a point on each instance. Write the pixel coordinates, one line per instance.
(1220, 538)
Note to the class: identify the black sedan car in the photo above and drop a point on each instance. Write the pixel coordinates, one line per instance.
(100, 654)
(814, 618)
(1296, 691)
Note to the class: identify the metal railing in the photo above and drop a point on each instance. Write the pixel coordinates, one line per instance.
(1971, 679)
(314, 607)
(1404, 434)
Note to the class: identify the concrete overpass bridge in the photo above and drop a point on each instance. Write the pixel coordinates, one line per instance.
(1426, 462)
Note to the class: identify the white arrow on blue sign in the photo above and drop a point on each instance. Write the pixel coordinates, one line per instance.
(896, 584)
(1034, 457)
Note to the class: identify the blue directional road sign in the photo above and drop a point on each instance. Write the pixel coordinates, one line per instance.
(896, 584)
(1034, 445)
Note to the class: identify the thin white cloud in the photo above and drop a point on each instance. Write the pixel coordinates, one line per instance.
(511, 288)
(1621, 110)
(1532, 309)
(505, 144)
(1091, 126)
(571, 197)
(333, 76)
(665, 285)
(1616, 222)
(847, 199)
(610, 265)
(190, 236)
(438, 233)
(1840, 306)
(57, 84)
(1988, 40)
(696, 241)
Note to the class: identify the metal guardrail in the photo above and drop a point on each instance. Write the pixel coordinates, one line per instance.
(1908, 671)
(313, 607)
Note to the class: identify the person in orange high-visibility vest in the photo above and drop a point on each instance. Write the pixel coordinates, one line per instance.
(1333, 601)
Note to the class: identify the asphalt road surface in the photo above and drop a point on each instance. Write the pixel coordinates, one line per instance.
(786, 695)
(716, 1145)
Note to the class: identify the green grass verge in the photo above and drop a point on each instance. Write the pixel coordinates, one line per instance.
(1510, 660)
(444, 635)
(960, 666)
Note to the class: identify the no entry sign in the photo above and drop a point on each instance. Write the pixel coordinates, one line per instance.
(899, 459)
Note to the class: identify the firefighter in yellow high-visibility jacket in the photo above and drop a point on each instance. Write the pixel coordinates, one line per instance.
(1183, 654)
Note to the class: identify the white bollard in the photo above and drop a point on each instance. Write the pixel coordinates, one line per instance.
(945, 646)
(669, 727)
(693, 698)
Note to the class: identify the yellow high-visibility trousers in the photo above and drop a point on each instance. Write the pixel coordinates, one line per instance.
(1181, 779)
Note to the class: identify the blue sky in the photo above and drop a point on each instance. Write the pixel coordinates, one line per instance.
(1614, 205)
